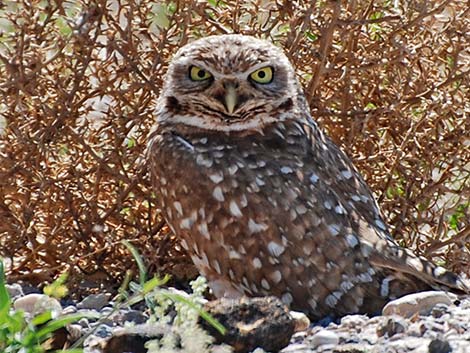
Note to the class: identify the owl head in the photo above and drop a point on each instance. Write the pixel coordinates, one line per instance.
(229, 83)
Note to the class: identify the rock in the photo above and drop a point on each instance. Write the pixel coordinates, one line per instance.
(94, 301)
(353, 321)
(439, 346)
(84, 322)
(391, 326)
(14, 290)
(416, 303)
(133, 316)
(103, 331)
(69, 310)
(439, 309)
(323, 338)
(302, 322)
(133, 339)
(251, 322)
(296, 348)
(34, 304)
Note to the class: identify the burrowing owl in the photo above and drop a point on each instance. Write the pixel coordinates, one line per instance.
(262, 200)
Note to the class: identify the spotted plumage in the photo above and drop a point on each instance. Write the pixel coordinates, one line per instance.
(264, 202)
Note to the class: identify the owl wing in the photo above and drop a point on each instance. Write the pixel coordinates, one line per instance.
(353, 192)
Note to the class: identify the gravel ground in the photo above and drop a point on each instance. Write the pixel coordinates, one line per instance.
(434, 322)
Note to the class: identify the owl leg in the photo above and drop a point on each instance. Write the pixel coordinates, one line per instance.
(223, 288)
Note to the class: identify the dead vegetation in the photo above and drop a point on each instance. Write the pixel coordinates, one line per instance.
(389, 81)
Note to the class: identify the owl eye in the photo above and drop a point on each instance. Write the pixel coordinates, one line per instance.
(198, 74)
(263, 75)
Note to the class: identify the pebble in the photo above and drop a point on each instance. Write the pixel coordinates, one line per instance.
(34, 304)
(416, 303)
(391, 326)
(94, 301)
(438, 324)
(302, 322)
(324, 337)
(439, 346)
(14, 290)
(133, 316)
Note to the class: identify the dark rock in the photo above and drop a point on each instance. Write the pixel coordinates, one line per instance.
(251, 322)
(94, 301)
(391, 326)
(439, 309)
(134, 316)
(439, 346)
(103, 331)
(134, 343)
(133, 339)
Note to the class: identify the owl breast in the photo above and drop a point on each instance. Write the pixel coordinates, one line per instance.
(258, 215)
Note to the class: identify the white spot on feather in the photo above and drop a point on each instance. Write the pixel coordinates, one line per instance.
(312, 303)
(286, 170)
(202, 228)
(218, 194)
(346, 174)
(216, 177)
(256, 262)
(334, 229)
(232, 254)
(204, 162)
(385, 287)
(216, 266)
(352, 240)
(333, 299)
(380, 224)
(254, 227)
(265, 284)
(287, 298)
(178, 207)
(235, 210)
(186, 223)
(184, 244)
(275, 249)
(276, 276)
(232, 169)
(314, 178)
(340, 209)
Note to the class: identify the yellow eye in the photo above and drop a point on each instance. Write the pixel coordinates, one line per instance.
(198, 74)
(263, 75)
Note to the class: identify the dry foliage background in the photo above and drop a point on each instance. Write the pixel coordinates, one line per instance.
(388, 80)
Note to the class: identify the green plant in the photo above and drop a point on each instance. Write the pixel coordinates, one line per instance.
(185, 333)
(22, 334)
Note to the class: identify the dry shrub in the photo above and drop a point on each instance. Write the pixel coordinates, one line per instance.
(389, 81)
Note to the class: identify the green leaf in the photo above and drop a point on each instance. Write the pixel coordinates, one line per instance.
(311, 36)
(138, 260)
(42, 318)
(130, 142)
(5, 302)
(204, 314)
(153, 283)
(370, 106)
(57, 289)
(62, 321)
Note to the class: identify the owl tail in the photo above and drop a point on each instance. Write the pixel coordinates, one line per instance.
(424, 274)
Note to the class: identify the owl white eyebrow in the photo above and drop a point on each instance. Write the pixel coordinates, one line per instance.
(217, 75)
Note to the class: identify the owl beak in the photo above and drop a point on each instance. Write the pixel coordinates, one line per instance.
(231, 98)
